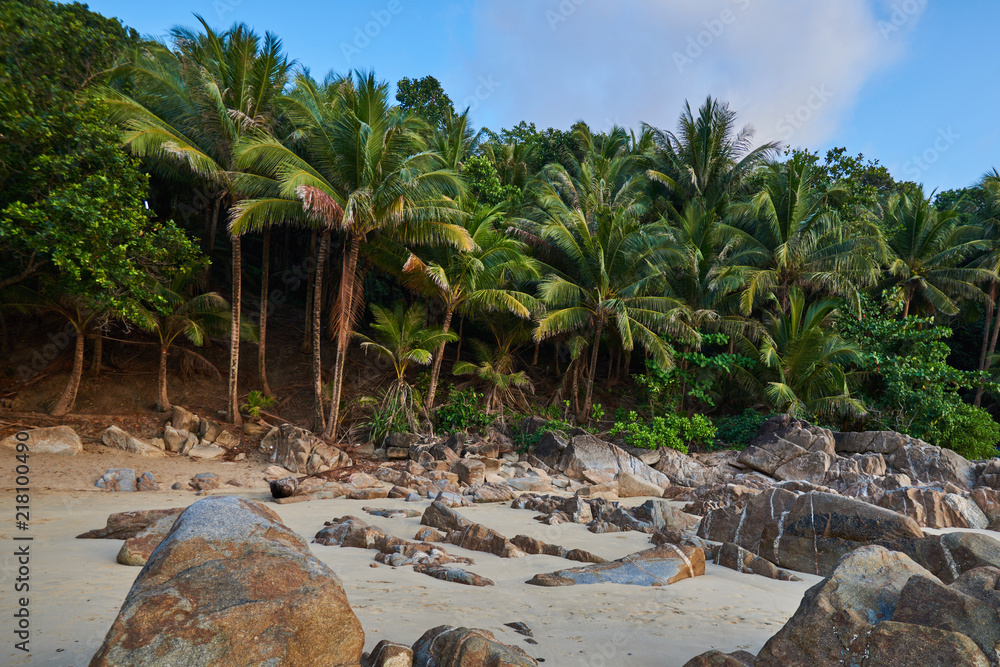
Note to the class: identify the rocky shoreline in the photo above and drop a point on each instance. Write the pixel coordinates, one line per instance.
(854, 508)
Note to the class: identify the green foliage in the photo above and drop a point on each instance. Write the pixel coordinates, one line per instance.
(72, 211)
(673, 431)
(694, 375)
(463, 412)
(739, 430)
(256, 401)
(911, 387)
(426, 98)
(525, 442)
(484, 183)
(387, 414)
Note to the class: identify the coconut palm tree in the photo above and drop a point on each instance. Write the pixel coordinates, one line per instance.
(927, 251)
(188, 106)
(803, 361)
(404, 338)
(788, 235)
(609, 279)
(707, 157)
(195, 317)
(359, 168)
(477, 281)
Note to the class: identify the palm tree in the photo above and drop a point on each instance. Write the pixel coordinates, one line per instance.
(195, 317)
(927, 250)
(359, 168)
(989, 221)
(802, 361)
(495, 366)
(476, 281)
(404, 338)
(187, 108)
(788, 235)
(609, 280)
(707, 157)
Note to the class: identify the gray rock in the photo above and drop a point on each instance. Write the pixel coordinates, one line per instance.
(117, 479)
(183, 420)
(116, 438)
(61, 440)
(659, 566)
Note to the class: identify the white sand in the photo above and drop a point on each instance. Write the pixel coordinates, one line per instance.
(77, 587)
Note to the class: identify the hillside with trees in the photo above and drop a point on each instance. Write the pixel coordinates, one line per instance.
(358, 257)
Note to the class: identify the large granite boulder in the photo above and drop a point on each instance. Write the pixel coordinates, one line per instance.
(299, 451)
(117, 438)
(933, 508)
(836, 616)
(809, 532)
(447, 646)
(588, 458)
(231, 585)
(659, 566)
(51, 440)
(933, 465)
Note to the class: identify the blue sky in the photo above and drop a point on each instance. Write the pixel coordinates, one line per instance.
(912, 83)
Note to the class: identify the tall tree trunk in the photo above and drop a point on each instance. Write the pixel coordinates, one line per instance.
(461, 326)
(534, 358)
(989, 354)
(319, 419)
(307, 338)
(436, 369)
(265, 278)
(232, 409)
(582, 416)
(68, 398)
(343, 337)
(576, 384)
(162, 400)
(95, 366)
(987, 322)
(4, 337)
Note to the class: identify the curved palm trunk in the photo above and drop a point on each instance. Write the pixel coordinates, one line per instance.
(265, 276)
(438, 357)
(319, 419)
(461, 326)
(68, 398)
(989, 354)
(576, 385)
(582, 415)
(343, 335)
(233, 409)
(162, 400)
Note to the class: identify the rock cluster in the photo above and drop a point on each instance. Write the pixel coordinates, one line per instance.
(879, 607)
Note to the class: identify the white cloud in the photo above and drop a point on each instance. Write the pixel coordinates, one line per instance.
(792, 69)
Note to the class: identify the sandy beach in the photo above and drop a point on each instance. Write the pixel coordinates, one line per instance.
(77, 587)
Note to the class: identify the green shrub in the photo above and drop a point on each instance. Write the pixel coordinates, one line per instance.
(524, 441)
(673, 431)
(740, 429)
(968, 430)
(256, 401)
(462, 412)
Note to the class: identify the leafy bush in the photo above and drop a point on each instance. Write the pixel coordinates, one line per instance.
(739, 430)
(386, 417)
(256, 401)
(968, 430)
(462, 412)
(524, 441)
(673, 431)
(912, 387)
